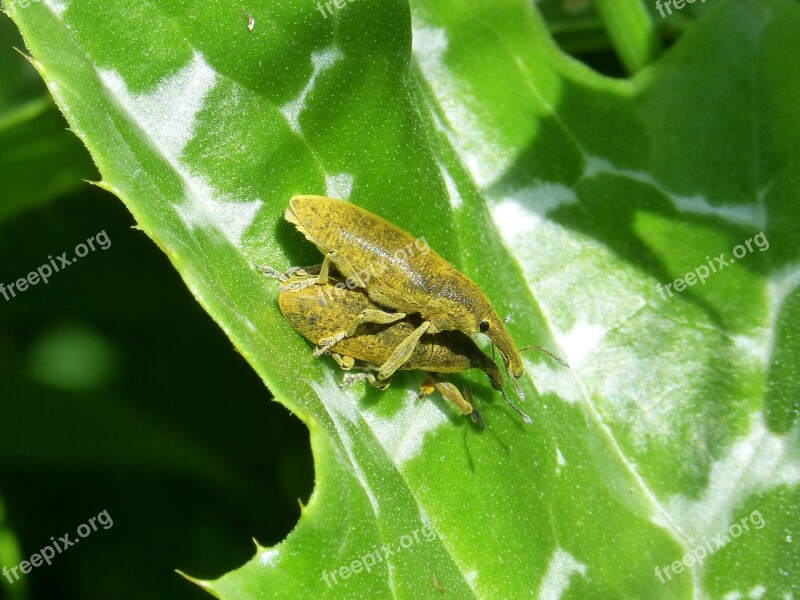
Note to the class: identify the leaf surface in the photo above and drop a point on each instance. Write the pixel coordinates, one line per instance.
(568, 197)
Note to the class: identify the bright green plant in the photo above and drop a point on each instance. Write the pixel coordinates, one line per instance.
(567, 196)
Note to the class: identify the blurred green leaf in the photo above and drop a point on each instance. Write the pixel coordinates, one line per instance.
(20, 81)
(567, 196)
(46, 427)
(578, 29)
(10, 555)
(39, 158)
(632, 31)
(73, 358)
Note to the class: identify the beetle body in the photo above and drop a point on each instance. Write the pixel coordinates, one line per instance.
(377, 256)
(320, 312)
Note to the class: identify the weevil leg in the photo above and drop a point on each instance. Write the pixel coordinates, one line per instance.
(274, 273)
(351, 378)
(463, 402)
(294, 279)
(368, 315)
(427, 387)
(345, 269)
(297, 283)
(319, 274)
(303, 271)
(476, 417)
(322, 277)
(402, 352)
(268, 271)
(371, 315)
(345, 362)
(327, 343)
(379, 384)
(308, 276)
(451, 393)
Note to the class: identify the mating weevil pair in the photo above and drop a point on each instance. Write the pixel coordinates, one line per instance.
(321, 312)
(449, 306)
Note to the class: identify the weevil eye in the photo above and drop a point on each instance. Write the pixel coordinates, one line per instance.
(483, 326)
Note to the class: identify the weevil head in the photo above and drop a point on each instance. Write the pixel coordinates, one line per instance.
(495, 375)
(495, 330)
(463, 306)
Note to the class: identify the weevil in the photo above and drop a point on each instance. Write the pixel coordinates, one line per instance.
(320, 312)
(375, 255)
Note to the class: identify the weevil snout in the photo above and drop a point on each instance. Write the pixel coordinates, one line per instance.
(496, 331)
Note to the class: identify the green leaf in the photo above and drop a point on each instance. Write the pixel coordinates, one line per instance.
(39, 158)
(10, 554)
(632, 31)
(569, 198)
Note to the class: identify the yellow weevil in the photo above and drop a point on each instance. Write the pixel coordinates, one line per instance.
(400, 275)
(322, 312)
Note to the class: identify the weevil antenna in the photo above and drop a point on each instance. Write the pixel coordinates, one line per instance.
(546, 351)
(524, 416)
(517, 388)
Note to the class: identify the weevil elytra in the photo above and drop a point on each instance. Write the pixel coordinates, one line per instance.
(321, 312)
(373, 254)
